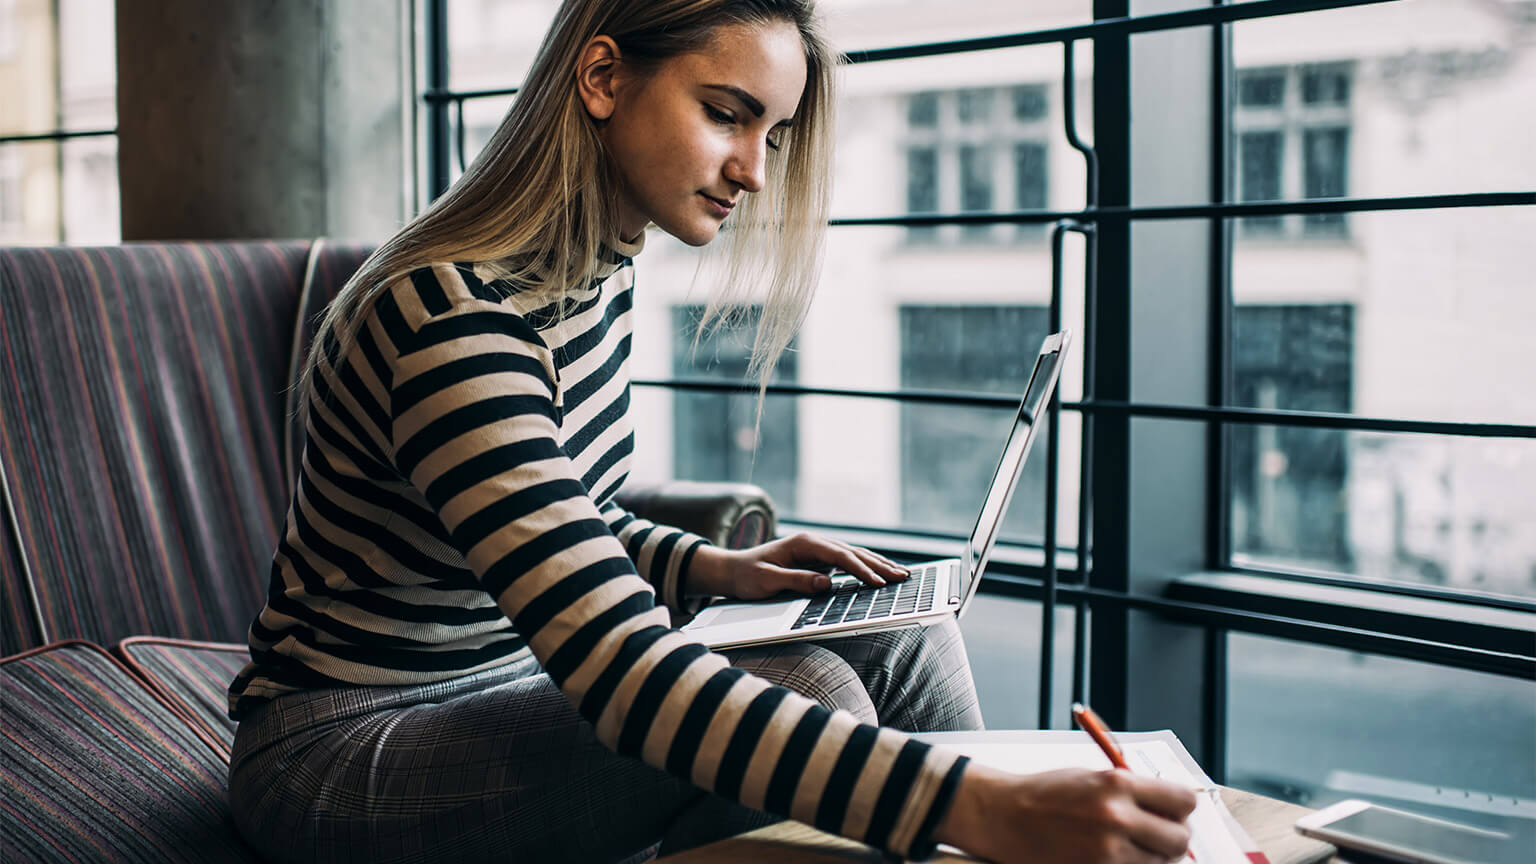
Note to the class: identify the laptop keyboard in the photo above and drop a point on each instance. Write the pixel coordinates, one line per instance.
(855, 601)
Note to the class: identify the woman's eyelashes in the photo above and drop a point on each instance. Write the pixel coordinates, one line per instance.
(725, 118)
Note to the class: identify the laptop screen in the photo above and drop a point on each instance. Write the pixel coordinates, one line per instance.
(1031, 415)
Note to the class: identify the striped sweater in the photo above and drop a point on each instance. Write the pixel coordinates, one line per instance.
(454, 512)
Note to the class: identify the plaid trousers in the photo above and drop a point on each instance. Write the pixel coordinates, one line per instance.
(498, 764)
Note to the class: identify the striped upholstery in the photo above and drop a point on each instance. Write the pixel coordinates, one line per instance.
(192, 677)
(95, 769)
(330, 265)
(18, 628)
(142, 436)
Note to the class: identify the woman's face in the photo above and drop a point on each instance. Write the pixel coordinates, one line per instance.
(695, 135)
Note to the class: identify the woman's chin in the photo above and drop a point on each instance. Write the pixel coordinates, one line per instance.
(694, 233)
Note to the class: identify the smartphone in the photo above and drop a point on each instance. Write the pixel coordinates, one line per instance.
(1398, 835)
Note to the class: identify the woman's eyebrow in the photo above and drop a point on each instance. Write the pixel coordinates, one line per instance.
(747, 99)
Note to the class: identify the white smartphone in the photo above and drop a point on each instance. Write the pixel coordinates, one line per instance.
(1402, 836)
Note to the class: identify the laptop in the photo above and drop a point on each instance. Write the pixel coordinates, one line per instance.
(934, 590)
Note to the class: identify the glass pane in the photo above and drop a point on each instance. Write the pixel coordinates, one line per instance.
(716, 435)
(989, 105)
(481, 117)
(1002, 639)
(29, 193)
(1433, 94)
(88, 64)
(57, 74)
(1431, 296)
(870, 273)
(1441, 511)
(92, 214)
(1316, 725)
(865, 24)
(491, 43)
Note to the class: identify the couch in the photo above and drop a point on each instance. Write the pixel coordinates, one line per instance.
(147, 457)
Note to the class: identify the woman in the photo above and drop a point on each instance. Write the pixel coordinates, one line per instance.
(461, 655)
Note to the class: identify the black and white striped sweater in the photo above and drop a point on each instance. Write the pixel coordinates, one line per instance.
(454, 511)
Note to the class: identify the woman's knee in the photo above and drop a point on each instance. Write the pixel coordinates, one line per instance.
(812, 671)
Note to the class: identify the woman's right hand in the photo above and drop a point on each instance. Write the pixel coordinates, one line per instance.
(1073, 815)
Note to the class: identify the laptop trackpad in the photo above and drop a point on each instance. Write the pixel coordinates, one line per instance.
(745, 613)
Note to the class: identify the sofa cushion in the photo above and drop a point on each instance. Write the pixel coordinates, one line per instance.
(191, 677)
(142, 436)
(95, 769)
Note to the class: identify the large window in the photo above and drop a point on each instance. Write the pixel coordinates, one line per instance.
(58, 150)
(1299, 399)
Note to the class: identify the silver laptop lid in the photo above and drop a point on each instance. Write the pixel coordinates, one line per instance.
(1030, 417)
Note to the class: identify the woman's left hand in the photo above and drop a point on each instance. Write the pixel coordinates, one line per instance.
(797, 564)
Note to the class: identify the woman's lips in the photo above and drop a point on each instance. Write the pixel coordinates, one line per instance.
(720, 208)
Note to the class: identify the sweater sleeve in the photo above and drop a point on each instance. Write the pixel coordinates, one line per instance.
(662, 555)
(475, 428)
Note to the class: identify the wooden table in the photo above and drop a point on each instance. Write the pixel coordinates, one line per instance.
(1267, 820)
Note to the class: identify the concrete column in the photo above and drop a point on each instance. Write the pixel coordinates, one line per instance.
(262, 118)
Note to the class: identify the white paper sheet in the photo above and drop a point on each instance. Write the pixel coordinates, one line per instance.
(1153, 754)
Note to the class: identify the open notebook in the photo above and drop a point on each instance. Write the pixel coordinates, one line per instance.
(1216, 837)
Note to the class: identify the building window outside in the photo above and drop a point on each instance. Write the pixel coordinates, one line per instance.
(977, 150)
(1289, 495)
(948, 452)
(716, 435)
(1292, 130)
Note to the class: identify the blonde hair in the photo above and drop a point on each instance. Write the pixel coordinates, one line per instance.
(537, 204)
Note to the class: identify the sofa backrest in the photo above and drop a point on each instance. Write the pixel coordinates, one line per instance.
(331, 264)
(142, 436)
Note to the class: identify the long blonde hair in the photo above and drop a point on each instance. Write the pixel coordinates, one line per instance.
(538, 202)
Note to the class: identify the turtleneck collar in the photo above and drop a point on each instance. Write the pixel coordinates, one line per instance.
(615, 252)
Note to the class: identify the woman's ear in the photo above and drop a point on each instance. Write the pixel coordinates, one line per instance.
(595, 73)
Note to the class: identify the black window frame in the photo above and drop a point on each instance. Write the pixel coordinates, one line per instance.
(1180, 613)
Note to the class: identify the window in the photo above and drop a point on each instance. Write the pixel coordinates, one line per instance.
(716, 435)
(1289, 483)
(1292, 125)
(976, 150)
(948, 453)
(58, 62)
(1412, 482)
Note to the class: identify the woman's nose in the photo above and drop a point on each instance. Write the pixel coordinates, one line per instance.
(747, 166)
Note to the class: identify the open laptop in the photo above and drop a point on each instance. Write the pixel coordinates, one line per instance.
(934, 590)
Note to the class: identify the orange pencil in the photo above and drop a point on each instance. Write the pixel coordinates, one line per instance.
(1096, 730)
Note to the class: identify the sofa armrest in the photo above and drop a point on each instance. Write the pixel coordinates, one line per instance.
(729, 515)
